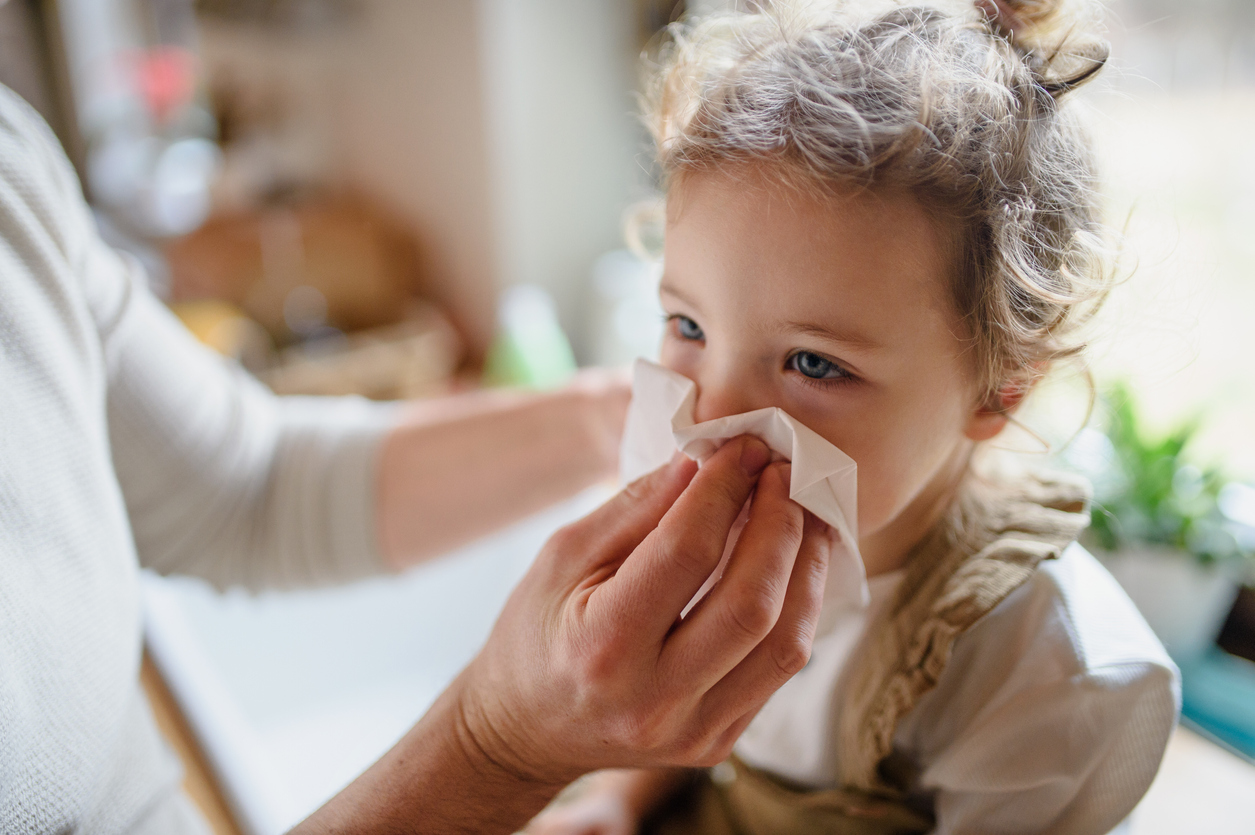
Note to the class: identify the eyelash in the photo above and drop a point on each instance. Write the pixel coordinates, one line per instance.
(672, 320)
(844, 379)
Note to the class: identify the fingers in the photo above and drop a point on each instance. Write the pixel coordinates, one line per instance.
(746, 603)
(603, 538)
(786, 649)
(661, 576)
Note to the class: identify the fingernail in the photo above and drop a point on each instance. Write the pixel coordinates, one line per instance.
(754, 457)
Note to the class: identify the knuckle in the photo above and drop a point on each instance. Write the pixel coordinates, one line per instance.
(814, 579)
(594, 663)
(694, 549)
(637, 491)
(751, 613)
(713, 755)
(595, 671)
(785, 519)
(810, 578)
(706, 750)
(586, 674)
(791, 656)
(730, 491)
(689, 749)
(566, 539)
(789, 522)
(816, 551)
(695, 560)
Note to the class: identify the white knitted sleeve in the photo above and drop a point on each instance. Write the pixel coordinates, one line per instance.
(222, 479)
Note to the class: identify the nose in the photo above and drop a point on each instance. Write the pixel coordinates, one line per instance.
(723, 392)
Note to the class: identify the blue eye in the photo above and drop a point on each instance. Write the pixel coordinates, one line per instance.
(688, 329)
(815, 366)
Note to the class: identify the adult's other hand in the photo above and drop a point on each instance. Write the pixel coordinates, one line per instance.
(589, 665)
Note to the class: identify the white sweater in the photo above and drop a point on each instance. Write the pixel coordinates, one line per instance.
(123, 444)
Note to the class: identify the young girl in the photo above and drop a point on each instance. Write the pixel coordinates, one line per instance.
(883, 222)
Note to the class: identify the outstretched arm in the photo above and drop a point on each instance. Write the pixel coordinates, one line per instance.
(460, 467)
(225, 481)
(589, 666)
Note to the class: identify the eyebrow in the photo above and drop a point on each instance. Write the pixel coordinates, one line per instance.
(851, 338)
(665, 287)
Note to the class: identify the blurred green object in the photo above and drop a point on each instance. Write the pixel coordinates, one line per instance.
(1154, 495)
(530, 349)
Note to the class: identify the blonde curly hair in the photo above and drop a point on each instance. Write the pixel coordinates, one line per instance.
(963, 105)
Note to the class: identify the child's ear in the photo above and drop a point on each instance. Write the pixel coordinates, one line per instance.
(991, 416)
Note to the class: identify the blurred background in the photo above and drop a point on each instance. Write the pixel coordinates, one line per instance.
(401, 198)
(295, 173)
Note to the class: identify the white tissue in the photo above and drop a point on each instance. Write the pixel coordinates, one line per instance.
(824, 479)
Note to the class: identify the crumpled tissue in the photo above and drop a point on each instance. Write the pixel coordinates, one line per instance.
(824, 479)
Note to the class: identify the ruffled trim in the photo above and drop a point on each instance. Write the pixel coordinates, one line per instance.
(988, 546)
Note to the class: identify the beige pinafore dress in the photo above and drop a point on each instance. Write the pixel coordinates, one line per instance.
(988, 545)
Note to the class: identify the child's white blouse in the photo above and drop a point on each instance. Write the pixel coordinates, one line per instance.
(1052, 715)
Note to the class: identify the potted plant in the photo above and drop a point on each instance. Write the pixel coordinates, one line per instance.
(1158, 526)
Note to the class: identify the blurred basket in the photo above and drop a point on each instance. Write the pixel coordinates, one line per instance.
(415, 358)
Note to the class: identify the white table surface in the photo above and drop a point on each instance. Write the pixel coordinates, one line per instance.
(291, 695)
(1200, 788)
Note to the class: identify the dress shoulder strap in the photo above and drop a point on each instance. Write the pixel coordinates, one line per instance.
(990, 543)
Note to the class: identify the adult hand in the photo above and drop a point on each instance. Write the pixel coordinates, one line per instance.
(589, 665)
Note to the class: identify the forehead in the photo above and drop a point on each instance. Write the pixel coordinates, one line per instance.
(868, 258)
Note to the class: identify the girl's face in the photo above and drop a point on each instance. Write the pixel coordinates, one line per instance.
(837, 310)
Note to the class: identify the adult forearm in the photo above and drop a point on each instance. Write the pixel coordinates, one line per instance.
(459, 468)
(436, 780)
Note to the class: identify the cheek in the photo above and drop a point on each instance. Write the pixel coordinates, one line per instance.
(679, 356)
(899, 453)
(889, 475)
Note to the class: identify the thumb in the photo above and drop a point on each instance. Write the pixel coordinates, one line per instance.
(611, 532)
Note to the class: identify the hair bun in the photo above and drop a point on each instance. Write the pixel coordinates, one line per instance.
(1003, 18)
(1059, 38)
